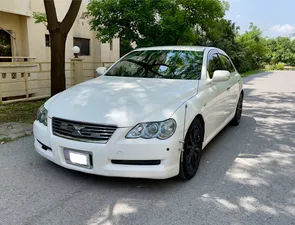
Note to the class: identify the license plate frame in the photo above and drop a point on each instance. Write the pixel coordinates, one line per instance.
(69, 153)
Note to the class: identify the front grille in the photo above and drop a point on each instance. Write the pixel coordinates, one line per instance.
(81, 131)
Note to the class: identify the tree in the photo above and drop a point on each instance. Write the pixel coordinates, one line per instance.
(255, 49)
(223, 35)
(58, 35)
(282, 49)
(153, 22)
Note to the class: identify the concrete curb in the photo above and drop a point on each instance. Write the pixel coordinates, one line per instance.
(11, 131)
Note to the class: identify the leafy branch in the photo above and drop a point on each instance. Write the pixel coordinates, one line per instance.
(40, 18)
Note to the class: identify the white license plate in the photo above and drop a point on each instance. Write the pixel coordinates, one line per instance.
(78, 158)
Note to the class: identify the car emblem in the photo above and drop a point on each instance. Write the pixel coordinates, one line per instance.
(77, 131)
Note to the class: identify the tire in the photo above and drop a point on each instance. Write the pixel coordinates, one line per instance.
(191, 156)
(237, 119)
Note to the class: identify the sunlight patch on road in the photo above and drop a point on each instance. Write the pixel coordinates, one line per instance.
(220, 201)
(111, 214)
(243, 168)
(122, 208)
(251, 204)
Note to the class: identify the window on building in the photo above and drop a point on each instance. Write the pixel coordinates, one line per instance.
(5, 45)
(47, 40)
(111, 45)
(83, 44)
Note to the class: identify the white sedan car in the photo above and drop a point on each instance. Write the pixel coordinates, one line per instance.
(147, 116)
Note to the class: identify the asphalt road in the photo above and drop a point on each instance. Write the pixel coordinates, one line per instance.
(246, 176)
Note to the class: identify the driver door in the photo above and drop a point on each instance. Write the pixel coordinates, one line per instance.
(232, 86)
(216, 95)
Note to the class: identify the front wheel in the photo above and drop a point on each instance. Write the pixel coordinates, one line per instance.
(191, 156)
(237, 119)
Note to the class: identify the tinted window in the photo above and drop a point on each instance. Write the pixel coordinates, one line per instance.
(160, 64)
(227, 65)
(83, 44)
(214, 64)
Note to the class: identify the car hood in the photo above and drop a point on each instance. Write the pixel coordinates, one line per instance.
(121, 101)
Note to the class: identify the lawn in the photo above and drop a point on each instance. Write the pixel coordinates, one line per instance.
(23, 112)
(252, 72)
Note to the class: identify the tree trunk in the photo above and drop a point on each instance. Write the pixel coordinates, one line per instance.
(58, 36)
(58, 75)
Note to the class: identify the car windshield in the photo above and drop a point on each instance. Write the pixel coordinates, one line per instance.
(168, 64)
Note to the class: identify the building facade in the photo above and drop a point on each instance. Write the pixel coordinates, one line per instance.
(21, 36)
(21, 39)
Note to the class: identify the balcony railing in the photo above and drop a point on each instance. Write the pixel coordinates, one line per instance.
(16, 59)
(23, 81)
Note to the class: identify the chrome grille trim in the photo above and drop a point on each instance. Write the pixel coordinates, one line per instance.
(82, 131)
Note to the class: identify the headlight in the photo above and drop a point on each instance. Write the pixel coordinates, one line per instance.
(161, 130)
(42, 115)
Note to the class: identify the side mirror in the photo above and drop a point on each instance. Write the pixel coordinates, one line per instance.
(221, 75)
(100, 71)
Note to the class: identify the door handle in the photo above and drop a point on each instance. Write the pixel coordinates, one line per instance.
(228, 89)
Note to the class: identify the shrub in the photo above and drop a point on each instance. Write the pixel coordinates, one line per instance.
(280, 66)
(272, 67)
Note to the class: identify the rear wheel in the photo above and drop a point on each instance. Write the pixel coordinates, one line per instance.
(191, 156)
(237, 119)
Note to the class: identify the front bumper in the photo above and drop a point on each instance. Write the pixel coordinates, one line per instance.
(117, 148)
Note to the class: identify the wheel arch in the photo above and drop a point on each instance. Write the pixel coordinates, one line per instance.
(201, 119)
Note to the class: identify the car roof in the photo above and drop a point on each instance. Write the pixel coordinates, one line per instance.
(177, 48)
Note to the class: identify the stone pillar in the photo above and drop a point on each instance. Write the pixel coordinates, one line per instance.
(77, 70)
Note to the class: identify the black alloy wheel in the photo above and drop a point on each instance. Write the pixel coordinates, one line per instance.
(238, 115)
(190, 160)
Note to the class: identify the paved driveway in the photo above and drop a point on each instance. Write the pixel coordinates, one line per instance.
(246, 176)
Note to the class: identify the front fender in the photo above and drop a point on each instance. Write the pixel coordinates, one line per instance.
(184, 117)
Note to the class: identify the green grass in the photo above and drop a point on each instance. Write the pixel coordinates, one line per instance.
(22, 112)
(252, 72)
(5, 140)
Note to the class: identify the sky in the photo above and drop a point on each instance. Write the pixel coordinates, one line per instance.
(273, 17)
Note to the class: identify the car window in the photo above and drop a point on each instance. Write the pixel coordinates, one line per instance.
(214, 64)
(227, 65)
(168, 64)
